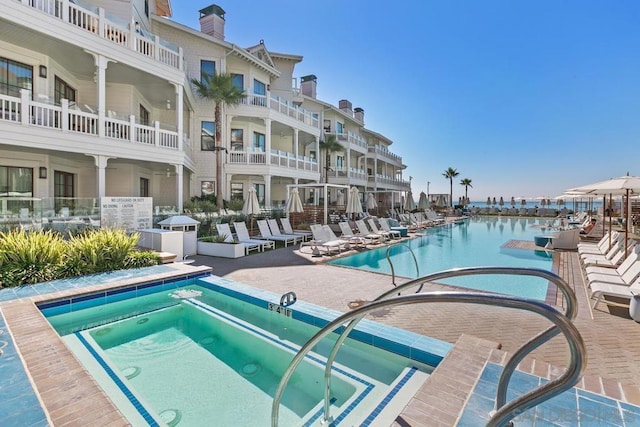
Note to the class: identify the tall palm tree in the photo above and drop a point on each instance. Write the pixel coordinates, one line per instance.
(329, 145)
(466, 182)
(450, 173)
(220, 89)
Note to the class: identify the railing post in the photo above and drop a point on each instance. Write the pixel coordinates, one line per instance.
(65, 10)
(24, 106)
(180, 60)
(132, 35)
(157, 133)
(156, 48)
(65, 115)
(101, 19)
(132, 128)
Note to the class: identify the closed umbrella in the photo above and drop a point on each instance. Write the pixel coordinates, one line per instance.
(513, 202)
(353, 203)
(371, 202)
(523, 202)
(501, 202)
(251, 206)
(423, 202)
(494, 201)
(294, 204)
(340, 198)
(441, 202)
(409, 204)
(488, 201)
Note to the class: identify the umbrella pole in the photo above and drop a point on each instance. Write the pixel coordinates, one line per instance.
(626, 223)
(610, 202)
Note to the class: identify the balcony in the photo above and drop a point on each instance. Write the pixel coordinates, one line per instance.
(275, 158)
(65, 118)
(96, 21)
(388, 181)
(283, 106)
(384, 152)
(348, 174)
(355, 141)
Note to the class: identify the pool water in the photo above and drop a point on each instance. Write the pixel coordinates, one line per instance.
(193, 356)
(477, 241)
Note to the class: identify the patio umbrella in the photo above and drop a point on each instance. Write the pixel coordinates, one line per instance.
(340, 198)
(513, 202)
(501, 202)
(409, 204)
(353, 203)
(494, 201)
(294, 204)
(251, 206)
(441, 202)
(371, 203)
(523, 202)
(423, 202)
(623, 185)
(488, 201)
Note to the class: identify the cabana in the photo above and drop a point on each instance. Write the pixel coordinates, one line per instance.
(323, 189)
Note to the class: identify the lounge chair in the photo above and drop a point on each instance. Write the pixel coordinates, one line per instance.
(243, 236)
(275, 231)
(364, 232)
(286, 226)
(600, 290)
(225, 230)
(265, 234)
(617, 270)
(626, 278)
(347, 234)
(610, 261)
(384, 223)
(567, 239)
(322, 241)
(388, 235)
(600, 247)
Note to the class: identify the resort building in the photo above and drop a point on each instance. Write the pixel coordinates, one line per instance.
(96, 100)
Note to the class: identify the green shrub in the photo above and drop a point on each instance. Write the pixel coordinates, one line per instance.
(27, 257)
(98, 251)
(139, 259)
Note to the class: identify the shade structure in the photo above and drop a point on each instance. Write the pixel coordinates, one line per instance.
(423, 202)
(409, 204)
(251, 205)
(624, 185)
(353, 204)
(294, 204)
(440, 201)
(340, 198)
(371, 203)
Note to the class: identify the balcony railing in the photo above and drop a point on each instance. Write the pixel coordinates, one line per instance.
(282, 106)
(66, 119)
(351, 173)
(388, 180)
(275, 158)
(351, 138)
(383, 151)
(98, 22)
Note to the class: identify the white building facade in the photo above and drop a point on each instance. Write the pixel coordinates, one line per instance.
(96, 100)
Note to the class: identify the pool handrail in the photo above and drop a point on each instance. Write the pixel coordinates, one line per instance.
(504, 412)
(393, 271)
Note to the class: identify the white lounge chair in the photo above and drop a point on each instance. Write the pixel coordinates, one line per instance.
(626, 278)
(321, 240)
(347, 234)
(225, 230)
(286, 226)
(275, 230)
(374, 227)
(616, 271)
(600, 290)
(364, 232)
(384, 223)
(243, 236)
(265, 233)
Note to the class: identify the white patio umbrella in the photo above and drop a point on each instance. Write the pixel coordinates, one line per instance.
(371, 203)
(440, 201)
(501, 202)
(409, 204)
(423, 202)
(340, 198)
(488, 201)
(251, 206)
(294, 204)
(523, 202)
(513, 202)
(494, 201)
(353, 203)
(623, 185)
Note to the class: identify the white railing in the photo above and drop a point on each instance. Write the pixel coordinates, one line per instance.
(65, 119)
(382, 179)
(97, 22)
(357, 173)
(378, 149)
(356, 139)
(279, 158)
(282, 106)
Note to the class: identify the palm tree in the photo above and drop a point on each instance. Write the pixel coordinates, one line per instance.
(329, 145)
(466, 182)
(220, 89)
(450, 174)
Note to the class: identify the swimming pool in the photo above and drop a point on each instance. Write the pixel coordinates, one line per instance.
(189, 352)
(478, 241)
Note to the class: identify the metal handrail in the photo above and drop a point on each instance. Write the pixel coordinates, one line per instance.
(524, 402)
(393, 271)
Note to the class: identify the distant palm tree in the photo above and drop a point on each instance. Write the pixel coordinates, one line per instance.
(220, 89)
(450, 173)
(466, 182)
(329, 145)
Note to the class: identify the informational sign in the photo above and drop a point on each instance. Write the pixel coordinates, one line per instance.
(128, 213)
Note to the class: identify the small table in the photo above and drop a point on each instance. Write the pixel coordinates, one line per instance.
(542, 241)
(403, 230)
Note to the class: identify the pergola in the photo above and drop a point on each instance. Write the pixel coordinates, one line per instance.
(325, 191)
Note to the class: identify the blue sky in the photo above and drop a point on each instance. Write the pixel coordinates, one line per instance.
(525, 98)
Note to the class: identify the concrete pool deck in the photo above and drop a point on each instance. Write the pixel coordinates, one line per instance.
(612, 339)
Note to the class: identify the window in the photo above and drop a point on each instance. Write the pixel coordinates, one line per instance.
(340, 162)
(260, 193)
(144, 187)
(208, 138)
(146, 8)
(339, 127)
(63, 188)
(312, 154)
(144, 116)
(15, 76)
(259, 88)
(238, 80)
(237, 191)
(258, 142)
(327, 125)
(16, 182)
(207, 188)
(63, 91)
(207, 68)
(237, 140)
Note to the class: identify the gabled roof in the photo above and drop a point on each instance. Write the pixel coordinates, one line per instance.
(163, 8)
(286, 56)
(260, 51)
(377, 135)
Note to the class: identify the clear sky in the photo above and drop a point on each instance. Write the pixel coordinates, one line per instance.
(525, 98)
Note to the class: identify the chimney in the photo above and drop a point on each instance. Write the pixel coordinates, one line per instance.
(358, 113)
(308, 85)
(212, 21)
(345, 106)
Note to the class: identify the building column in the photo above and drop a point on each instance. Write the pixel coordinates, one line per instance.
(296, 150)
(348, 163)
(227, 184)
(179, 187)
(267, 191)
(267, 138)
(101, 166)
(179, 114)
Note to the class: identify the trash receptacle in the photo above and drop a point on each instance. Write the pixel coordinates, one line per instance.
(189, 228)
(634, 308)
